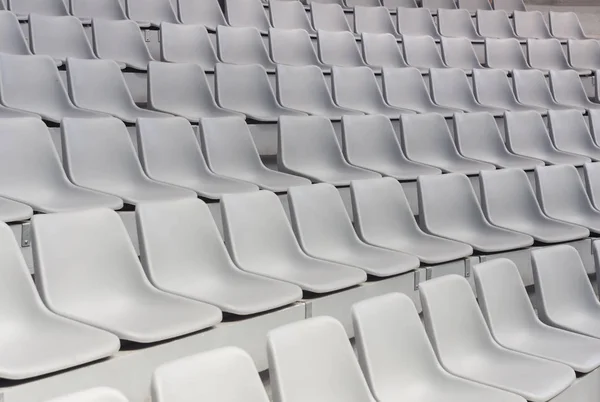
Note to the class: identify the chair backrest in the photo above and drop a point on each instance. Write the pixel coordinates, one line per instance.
(477, 135)
(565, 25)
(509, 5)
(355, 86)
(546, 54)
(317, 347)
(494, 24)
(363, 3)
(11, 37)
(247, 13)
(584, 53)
(339, 49)
(152, 11)
(101, 394)
(434, 5)
(456, 24)
(45, 7)
(302, 88)
(505, 54)
(594, 124)
(106, 9)
(242, 45)
(567, 88)
(422, 52)
(292, 47)
(121, 41)
(491, 85)
(373, 20)
(289, 15)
(526, 131)
(474, 5)
(459, 53)
(187, 44)
(530, 24)
(591, 173)
(222, 375)
(416, 22)
(206, 12)
(449, 86)
(530, 87)
(394, 4)
(58, 37)
(568, 130)
(404, 87)
(381, 50)
(328, 17)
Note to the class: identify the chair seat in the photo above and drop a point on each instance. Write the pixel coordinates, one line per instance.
(451, 388)
(463, 165)
(401, 170)
(492, 239)
(548, 230)
(429, 249)
(341, 176)
(214, 186)
(271, 180)
(131, 115)
(555, 157)
(56, 116)
(144, 191)
(11, 211)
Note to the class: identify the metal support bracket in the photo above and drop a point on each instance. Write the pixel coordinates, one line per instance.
(25, 238)
(467, 267)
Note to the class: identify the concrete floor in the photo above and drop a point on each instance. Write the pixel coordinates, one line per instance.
(588, 11)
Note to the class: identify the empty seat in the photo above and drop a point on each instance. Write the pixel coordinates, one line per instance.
(243, 45)
(509, 5)
(530, 88)
(229, 151)
(492, 88)
(209, 369)
(328, 17)
(339, 49)
(405, 88)
(303, 88)
(151, 11)
(247, 13)
(450, 88)
(547, 55)
(458, 215)
(370, 142)
(457, 24)
(426, 139)
(591, 174)
(562, 196)
(394, 4)
(308, 147)
(121, 41)
(293, 47)
(434, 5)
(526, 135)
(494, 24)
(12, 211)
(566, 297)
(273, 250)
(566, 25)
(474, 5)
(362, 3)
(206, 12)
(289, 15)
(182, 89)
(86, 10)
(356, 88)
(459, 53)
(398, 360)
(32, 84)
(584, 54)
(570, 133)
(381, 51)
(477, 137)
(383, 218)
(416, 22)
(22, 8)
(470, 351)
(567, 88)
(509, 202)
(373, 20)
(505, 54)
(183, 253)
(88, 270)
(530, 24)
(170, 153)
(12, 40)
(59, 38)
(98, 85)
(320, 349)
(101, 394)
(187, 44)
(421, 52)
(324, 230)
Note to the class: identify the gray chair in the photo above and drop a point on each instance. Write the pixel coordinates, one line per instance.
(290, 15)
(183, 90)
(32, 84)
(22, 8)
(570, 133)
(566, 25)
(187, 44)
(459, 53)
(31, 328)
(509, 201)
(303, 88)
(92, 395)
(246, 90)
(527, 135)
(308, 147)
(59, 38)
(492, 88)
(121, 41)
(547, 55)
(531, 25)
(421, 52)
(339, 48)
(374, 20)
(170, 153)
(530, 89)
(328, 17)
(370, 142)
(356, 88)
(12, 211)
(494, 24)
(426, 139)
(151, 11)
(273, 250)
(584, 54)
(229, 151)
(12, 40)
(247, 13)
(99, 85)
(293, 47)
(381, 51)
(450, 88)
(405, 88)
(416, 22)
(509, 6)
(383, 218)
(32, 173)
(458, 216)
(434, 5)
(474, 5)
(566, 297)
(324, 230)
(457, 24)
(207, 13)
(98, 154)
(470, 351)
(192, 261)
(477, 136)
(394, 4)
(591, 175)
(103, 284)
(567, 88)
(243, 46)
(505, 54)
(86, 10)
(562, 196)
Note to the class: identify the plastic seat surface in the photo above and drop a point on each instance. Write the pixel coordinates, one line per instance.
(509, 201)
(226, 373)
(373, 20)
(242, 45)
(584, 54)
(398, 360)
(530, 24)
(33, 173)
(383, 218)
(426, 139)
(547, 55)
(183, 253)
(86, 10)
(591, 173)
(469, 350)
(187, 44)
(293, 47)
(474, 5)
(416, 22)
(505, 54)
(247, 13)
(492, 88)
(565, 25)
(100, 394)
(121, 41)
(394, 4)
(530, 88)
(370, 142)
(12, 211)
(339, 48)
(12, 40)
(494, 24)
(568, 90)
(230, 151)
(457, 24)
(381, 51)
(151, 11)
(207, 13)
(459, 53)
(22, 8)
(290, 15)
(273, 250)
(421, 52)
(328, 17)
(509, 5)
(570, 133)
(476, 136)
(98, 154)
(434, 5)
